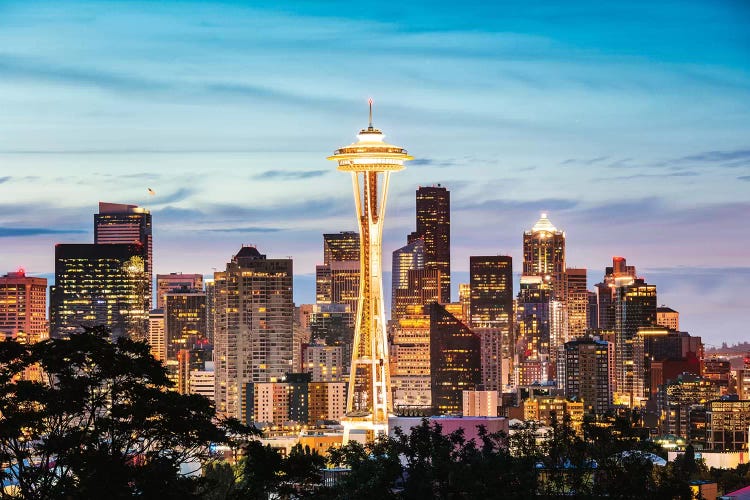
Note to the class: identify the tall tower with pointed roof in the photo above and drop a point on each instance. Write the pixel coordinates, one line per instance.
(370, 161)
(544, 255)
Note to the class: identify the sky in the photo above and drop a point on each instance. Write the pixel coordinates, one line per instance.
(627, 122)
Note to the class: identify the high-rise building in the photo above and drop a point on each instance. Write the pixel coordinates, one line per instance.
(660, 355)
(533, 320)
(422, 287)
(253, 336)
(210, 309)
(678, 398)
(668, 317)
(455, 360)
(325, 363)
(544, 255)
(620, 274)
(586, 373)
(719, 372)
(326, 401)
(407, 258)
(635, 307)
(157, 337)
(175, 281)
(592, 321)
(434, 227)
(410, 359)
(491, 316)
(100, 285)
(23, 307)
(576, 302)
(202, 381)
(370, 161)
(185, 332)
(337, 280)
(727, 425)
(117, 223)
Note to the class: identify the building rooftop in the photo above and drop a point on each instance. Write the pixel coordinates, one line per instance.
(543, 224)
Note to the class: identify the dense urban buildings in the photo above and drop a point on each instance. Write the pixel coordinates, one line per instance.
(586, 371)
(176, 281)
(544, 255)
(337, 280)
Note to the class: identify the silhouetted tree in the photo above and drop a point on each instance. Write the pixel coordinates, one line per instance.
(101, 422)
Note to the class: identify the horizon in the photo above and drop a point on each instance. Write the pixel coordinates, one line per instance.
(628, 124)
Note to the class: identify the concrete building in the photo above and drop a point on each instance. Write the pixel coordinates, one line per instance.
(668, 318)
(253, 339)
(480, 403)
(176, 281)
(586, 375)
(23, 307)
(434, 228)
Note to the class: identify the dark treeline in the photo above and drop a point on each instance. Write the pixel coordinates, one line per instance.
(100, 422)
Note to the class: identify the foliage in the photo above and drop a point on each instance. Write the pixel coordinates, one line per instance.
(100, 423)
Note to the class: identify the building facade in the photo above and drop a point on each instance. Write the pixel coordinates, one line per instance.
(253, 336)
(100, 285)
(434, 228)
(23, 307)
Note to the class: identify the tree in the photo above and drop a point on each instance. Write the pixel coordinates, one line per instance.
(102, 422)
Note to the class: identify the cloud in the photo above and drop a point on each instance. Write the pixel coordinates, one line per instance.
(738, 155)
(743, 178)
(678, 173)
(431, 162)
(5, 179)
(584, 161)
(249, 229)
(26, 69)
(553, 204)
(290, 174)
(174, 197)
(11, 232)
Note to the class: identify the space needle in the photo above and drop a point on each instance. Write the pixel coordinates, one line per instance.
(370, 161)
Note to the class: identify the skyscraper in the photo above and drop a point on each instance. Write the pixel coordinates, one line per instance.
(410, 358)
(370, 161)
(491, 316)
(620, 274)
(23, 306)
(668, 317)
(544, 255)
(337, 280)
(635, 306)
(167, 282)
(455, 360)
(253, 327)
(185, 332)
(434, 227)
(126, 224)
(407, 258)
(100, 285)
(422, 287)
(533, 319)
(586, 373)
(576, 301)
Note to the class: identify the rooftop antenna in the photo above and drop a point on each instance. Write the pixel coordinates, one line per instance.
(370, 102)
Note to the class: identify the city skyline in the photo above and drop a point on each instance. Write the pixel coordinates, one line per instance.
(629, 169)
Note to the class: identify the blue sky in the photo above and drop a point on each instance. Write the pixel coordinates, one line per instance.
(628, 122)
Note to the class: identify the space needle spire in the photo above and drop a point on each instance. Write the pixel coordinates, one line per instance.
(370, 161)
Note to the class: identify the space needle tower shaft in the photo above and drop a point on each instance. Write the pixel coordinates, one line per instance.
(370, 161)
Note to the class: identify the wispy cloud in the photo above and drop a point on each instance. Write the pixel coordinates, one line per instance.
(5, 179)
(290, 174)
(246, 229)
(431, 162)
(742, 155)
(743, 178)
(11, 232)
